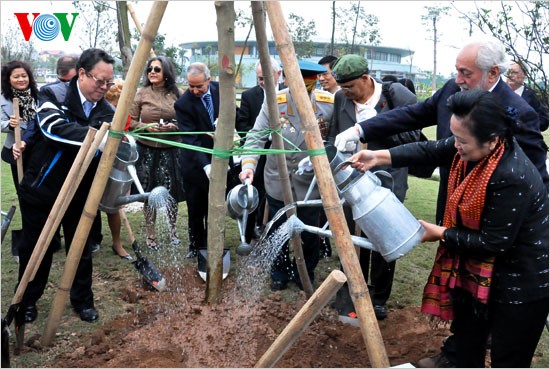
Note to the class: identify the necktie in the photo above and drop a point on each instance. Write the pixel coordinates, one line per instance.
(208, 104)
(88, 107)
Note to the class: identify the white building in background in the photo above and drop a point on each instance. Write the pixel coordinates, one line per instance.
(383, 60)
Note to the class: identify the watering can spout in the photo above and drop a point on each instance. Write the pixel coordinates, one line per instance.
(295, 225)
(123, 200)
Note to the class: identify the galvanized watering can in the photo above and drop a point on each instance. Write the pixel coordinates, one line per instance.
(387, 223)
(122, 174)
(242, 200)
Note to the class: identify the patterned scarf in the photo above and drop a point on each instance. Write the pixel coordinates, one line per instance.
(27, 106)
(466, 198)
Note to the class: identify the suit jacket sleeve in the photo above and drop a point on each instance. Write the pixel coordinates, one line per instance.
(427, 113)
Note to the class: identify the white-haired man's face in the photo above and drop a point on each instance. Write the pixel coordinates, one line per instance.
(260, 76)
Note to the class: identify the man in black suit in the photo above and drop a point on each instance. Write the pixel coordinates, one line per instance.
(516, 80)
(479, 65)
(67, 111)
(197, 111)
(251, 104)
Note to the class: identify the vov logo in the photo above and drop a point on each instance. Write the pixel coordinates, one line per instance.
(46, 27)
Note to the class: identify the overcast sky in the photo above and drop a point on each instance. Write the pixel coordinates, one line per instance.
(185, 21)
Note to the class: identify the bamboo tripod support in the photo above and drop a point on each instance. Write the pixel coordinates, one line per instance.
(54, 219)
(333, 208)
(102, 174)
(17, 133)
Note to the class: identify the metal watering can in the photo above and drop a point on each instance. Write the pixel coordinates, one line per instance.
(122, 174)
(389, 226)
(241, 201)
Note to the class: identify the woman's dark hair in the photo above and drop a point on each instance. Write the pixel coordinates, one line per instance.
(409, 84)
(481, 112)
(168, 73)
(90, 57)
(6, 73)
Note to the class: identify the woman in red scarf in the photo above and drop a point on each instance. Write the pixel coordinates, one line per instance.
(490, 273)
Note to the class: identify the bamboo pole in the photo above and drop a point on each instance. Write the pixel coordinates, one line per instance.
(275, 124)
(138, 25)
(302, 320)
(223, 140)
(17, 133)
(54, 219)
(102, 174)
(333, 209)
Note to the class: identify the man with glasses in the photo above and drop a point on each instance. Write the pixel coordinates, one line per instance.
(64, 117)
(515, 78)
(361, 97)
(197, 111)
(326, 79)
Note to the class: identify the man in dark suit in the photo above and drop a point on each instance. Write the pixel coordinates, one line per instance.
(251, 104)
(67, 111)
(197, 111)
(479, 65)
(516, 80)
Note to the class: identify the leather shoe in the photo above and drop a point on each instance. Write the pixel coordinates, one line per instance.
(30, 313)
(381, 312)
(89, 314)
(278, 285)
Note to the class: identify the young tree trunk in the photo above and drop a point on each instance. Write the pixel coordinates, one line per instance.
(124, 38)
(223, 142)
(434, 77)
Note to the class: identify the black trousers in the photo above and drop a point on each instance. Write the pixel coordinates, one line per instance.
(283, 269)
(34, 218)
(196, 188)
(515, 330)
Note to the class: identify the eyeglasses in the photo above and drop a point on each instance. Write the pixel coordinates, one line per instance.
(156, 69)
(100, 82)
(326, 74)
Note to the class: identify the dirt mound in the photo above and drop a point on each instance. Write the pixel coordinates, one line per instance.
(176, 328)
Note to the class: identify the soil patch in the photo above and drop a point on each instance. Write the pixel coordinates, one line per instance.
(176, 328)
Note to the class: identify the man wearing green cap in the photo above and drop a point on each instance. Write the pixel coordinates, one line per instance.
(361, 97)
(283, 270)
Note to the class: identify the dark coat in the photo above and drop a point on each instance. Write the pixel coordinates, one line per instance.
(514, 221)
(192, 116)
(251, 104)
(542, 110)
(434, 111)
(63, 127)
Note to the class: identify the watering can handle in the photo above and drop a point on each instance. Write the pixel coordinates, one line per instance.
(342, 164)
(250, 197)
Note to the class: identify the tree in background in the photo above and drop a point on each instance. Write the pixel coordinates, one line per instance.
(15, 48)
(302, 32)
(124, 36)
(99, 19)
(527, 42)
(364, 29)
(430, 19)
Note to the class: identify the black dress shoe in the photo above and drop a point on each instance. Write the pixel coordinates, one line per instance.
(89, 314)
(30, 313)
(381, 312)
(278, 285)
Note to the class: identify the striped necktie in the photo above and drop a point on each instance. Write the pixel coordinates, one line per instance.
(208, 104)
